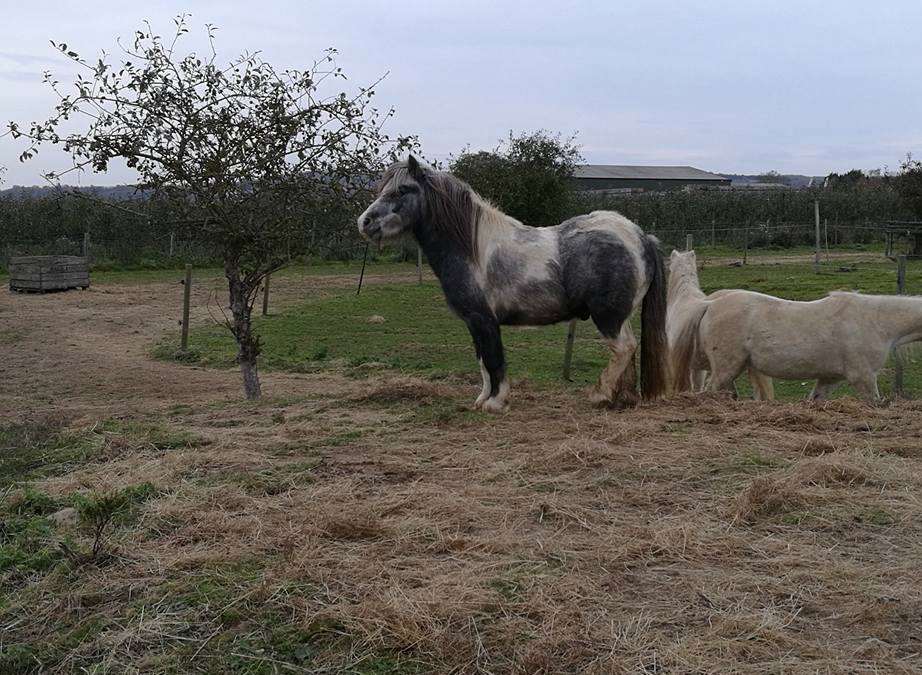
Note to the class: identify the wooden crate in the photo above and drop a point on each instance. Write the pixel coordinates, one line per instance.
(41, 273)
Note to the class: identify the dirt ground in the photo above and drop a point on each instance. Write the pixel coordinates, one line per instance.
(692, 535)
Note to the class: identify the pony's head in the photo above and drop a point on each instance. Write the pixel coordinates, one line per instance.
(399, 206)
(682, 262)
(412, 197)
(683, 272)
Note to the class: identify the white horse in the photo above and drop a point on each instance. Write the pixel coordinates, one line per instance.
(686, 303)
(844, 336)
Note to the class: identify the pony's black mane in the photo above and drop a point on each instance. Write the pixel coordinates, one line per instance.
(450, 205)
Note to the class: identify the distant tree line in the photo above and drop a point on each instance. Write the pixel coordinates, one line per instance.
(527, 176)
(138, 232)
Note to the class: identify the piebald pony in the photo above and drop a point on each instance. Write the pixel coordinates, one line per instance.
(496, 271)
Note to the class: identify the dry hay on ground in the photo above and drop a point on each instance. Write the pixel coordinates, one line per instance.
(682, 536)
(381, 524)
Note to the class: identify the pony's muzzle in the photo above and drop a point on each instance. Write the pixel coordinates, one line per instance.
(369, 226)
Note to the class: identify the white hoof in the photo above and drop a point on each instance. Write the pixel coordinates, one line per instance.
(495, 405)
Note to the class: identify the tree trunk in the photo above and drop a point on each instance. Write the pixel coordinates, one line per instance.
(251, 387)
(248, 347)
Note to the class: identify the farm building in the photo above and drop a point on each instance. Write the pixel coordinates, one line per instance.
(622, 177)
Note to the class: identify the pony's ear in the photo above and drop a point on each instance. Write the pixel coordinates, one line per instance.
(416, 171)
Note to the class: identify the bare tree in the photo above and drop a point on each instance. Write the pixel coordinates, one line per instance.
(243, 150)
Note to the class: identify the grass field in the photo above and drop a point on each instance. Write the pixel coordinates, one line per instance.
(361, 518)
(421, 336)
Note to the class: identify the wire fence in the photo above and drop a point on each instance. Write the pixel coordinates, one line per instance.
(150, 249)
(759, 238)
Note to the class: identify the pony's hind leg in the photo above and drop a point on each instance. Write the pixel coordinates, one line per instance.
(617, 386)
(724, 371)
(866, 386)
(763, 388)
(699, 380)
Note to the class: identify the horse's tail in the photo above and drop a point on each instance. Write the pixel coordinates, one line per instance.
(654, 350)
(684, 348)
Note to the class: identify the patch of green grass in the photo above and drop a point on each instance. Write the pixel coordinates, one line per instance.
(272, 481)
(876, 516)
(29, 501)
(157, 435)
(514, 583)
(753, 460)
(9, 336)
(32, 450)
(341, 438)
(27, 545)
(420, 335)
(445, 411)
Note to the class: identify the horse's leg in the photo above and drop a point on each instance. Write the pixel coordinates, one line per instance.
(488, 344)
(725, 368)
(485, 391)
(866, 385)
(821, 390)
(625, 393)
(610, 391)
(763, 389)
(699, 380)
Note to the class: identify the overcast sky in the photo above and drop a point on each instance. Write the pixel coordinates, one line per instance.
(798, 87)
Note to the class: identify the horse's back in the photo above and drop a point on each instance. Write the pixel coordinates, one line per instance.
(782, 338)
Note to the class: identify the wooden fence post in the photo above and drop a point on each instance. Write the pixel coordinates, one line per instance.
(186, 297)
(419, 265)
(688, 242)
(171, 243)
(746, 245)
(713, 232)
(568, 350)
(816, 254)
(897, 357)
(826, 236)
(86, 244)
(266, 295)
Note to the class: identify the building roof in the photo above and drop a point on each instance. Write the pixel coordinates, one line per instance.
(644, 172)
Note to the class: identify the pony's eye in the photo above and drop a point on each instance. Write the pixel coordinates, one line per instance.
(405, 190)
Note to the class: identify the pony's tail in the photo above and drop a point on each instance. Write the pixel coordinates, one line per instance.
(654, 351)
(684, 348)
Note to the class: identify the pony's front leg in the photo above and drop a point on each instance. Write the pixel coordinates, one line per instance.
(488, 344)
(485, 392)
(821, 390)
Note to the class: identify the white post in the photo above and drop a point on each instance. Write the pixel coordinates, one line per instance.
(816, 255)
(568, 349)
(897, 356)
